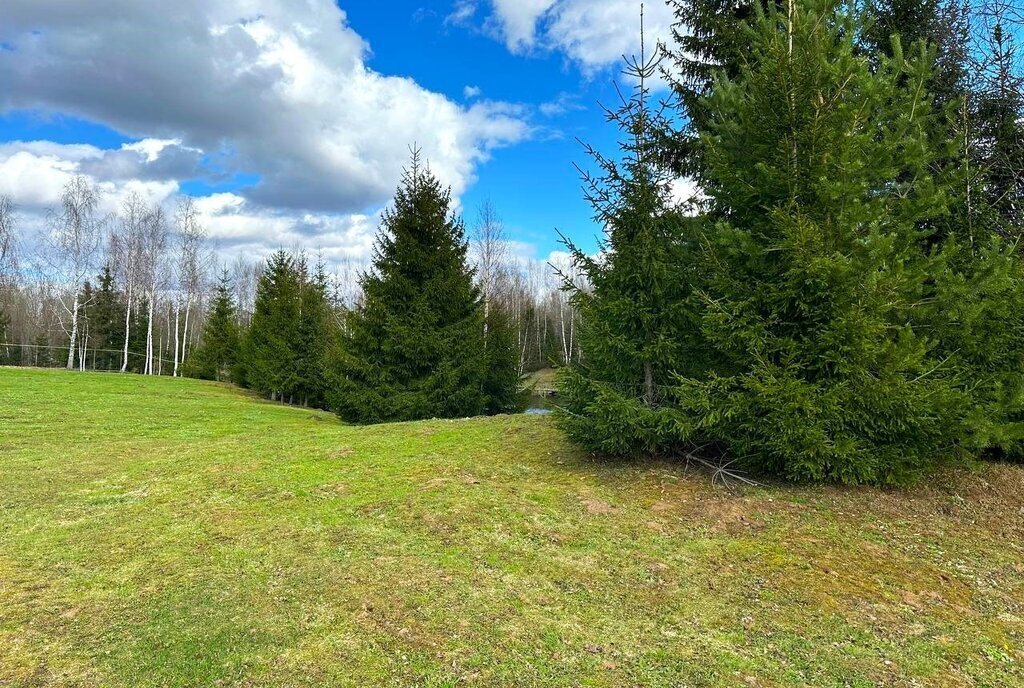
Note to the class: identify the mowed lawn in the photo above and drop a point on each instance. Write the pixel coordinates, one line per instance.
(161, 532)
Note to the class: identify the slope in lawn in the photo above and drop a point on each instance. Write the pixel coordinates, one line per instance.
(159, 532)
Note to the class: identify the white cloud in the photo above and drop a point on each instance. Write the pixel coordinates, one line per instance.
(232, 221)
(33, 175)
(462, 13)
(564, 103)
(518, 19)
(151, 148)
(34, 180)
(471, 92)
(592, 33)
(687, 194)
(276, 88)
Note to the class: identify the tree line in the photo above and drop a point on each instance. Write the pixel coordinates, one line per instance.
(141, 291)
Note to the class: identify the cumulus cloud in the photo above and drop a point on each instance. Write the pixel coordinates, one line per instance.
(280, 86)
(276, 90)
(34, 173)
(592, 33)
(231, 220)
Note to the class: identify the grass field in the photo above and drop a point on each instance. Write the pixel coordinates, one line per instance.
(160, 532)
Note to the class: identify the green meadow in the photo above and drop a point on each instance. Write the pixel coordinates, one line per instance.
(169, 532)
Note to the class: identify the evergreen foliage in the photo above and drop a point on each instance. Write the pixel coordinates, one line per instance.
(269, 351)
(635, 333)
(106, 323)
(217, 356)
(502, 388)
(814, 283)
(42, 355)
(897, 25)
(415, 347)
(823, 319)
(315, 338)
(711, 39)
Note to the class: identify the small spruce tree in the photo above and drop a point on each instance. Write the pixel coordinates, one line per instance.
(414, 348)
(216, 357)
(315, 338)
(269, 352)
(106, 323)
(503, 389)
(636, 333)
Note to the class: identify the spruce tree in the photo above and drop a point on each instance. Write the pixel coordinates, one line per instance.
(216, 357)
(814, 279)
(314, 338)
(269, 351)
(635, 332)
(414, 348)
(42, 352)
(503, 389)
(106, 323)
(998, 146)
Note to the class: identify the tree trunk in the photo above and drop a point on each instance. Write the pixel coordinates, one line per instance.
(74, 332)
(184, 333)
(177, 312)
(83, 348)
(127, 329)
(149, 337)
(648, 385)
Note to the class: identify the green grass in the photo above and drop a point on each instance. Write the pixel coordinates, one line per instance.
(545, 378)
(159, 532)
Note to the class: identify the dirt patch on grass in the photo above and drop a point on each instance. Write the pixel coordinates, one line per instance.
(596, 507)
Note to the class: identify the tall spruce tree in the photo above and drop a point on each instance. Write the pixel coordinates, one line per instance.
(314, 339)
(414, 348)
(269, 351)
(217, 356)
(815, 284)
(635, 332)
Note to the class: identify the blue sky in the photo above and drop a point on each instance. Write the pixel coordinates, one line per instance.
(290, 121)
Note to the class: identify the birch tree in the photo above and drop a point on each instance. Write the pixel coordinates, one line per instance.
(126, 250)
(153, 254)
(190, 235)
(490, 249)
(244, 275)
(8, 272)
(75, 237)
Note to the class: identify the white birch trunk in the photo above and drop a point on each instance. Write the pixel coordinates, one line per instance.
(74, 332)
(127, 329)
(177, 312)
(149, 337)
(184, 334)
